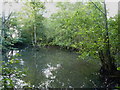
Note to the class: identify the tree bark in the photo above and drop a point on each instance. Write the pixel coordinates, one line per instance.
(3, 21)
(35, 36)
(108, 64)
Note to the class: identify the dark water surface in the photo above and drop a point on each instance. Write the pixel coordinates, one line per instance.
(58, 68)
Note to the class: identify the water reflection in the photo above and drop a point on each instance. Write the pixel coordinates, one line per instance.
(48, 71)
(12, 53)
(51, 67)
(21, 62)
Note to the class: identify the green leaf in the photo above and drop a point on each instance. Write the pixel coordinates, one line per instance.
(118, 68)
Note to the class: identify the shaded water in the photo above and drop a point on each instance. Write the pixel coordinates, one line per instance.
(58, 68)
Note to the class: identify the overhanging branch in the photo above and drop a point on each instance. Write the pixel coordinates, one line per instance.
(8, 18)
(97, 7)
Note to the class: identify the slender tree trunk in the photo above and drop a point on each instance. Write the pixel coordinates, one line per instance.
(3, 26)
(3, 21)
(118, 30)
(107, 60)
(35, 28)
(1, 38)
(35, 36)
(32, 39)
(2, 35)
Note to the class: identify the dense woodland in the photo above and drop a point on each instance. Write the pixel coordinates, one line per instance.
(81, 27)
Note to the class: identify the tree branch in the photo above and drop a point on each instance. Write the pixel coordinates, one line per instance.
(97, 7)
(8, 18)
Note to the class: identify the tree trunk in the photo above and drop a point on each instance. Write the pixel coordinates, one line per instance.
(2, 38)
(107, 60)
(35, 39)
(3, 22)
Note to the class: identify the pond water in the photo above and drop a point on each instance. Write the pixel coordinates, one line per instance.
(58, 68)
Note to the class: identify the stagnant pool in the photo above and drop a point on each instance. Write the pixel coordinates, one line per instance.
(58, 68)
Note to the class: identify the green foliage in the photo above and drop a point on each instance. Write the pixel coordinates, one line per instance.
(31, 21)
(22, 26)
(114, 36)
(118, 68)
(75, 25)
(81, 26)
(117, 87)
(11, 76)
